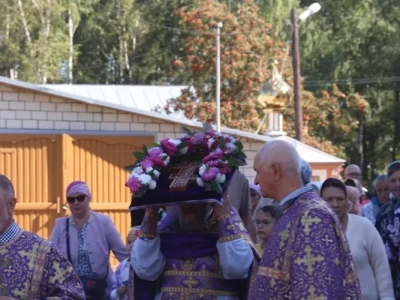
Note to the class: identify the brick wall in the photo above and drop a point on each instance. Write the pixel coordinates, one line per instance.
(24, 110)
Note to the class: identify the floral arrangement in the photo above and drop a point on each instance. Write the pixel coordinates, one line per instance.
(217, 153)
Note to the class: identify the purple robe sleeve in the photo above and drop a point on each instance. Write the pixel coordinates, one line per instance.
(59, 279)
(321, 265)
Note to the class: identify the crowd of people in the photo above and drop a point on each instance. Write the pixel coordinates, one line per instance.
(279, 237)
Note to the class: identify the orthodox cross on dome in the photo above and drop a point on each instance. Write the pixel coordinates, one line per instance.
(183, 174)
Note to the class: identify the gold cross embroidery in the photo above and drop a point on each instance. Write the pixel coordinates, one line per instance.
(309, 221)
(261, 290)
(329, 279)
(185, 176)
(190, 282)
(327, 240)
(313, 296)
(309, 260)
(59, 274)
(31, 255)
(284, 235)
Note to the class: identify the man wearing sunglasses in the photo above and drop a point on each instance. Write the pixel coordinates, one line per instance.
(30, 267)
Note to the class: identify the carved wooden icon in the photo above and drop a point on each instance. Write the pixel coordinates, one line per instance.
(186, 175)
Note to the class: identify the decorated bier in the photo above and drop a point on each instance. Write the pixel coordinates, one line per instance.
(196, 167)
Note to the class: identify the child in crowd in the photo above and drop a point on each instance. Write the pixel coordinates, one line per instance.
(121, 276)
(264, 222)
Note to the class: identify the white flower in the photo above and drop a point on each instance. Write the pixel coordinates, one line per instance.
(152, 184)
(199, 181)
(220, 178)
(230, 146)
(210, 142)
(144, 178)
(137, 170)
(183, 150)
(149, 169)
(176, 142)
(202, 169)
(156, 173)
(165, 158)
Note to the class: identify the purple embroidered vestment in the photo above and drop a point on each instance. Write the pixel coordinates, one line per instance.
(31, 268)
(307, 256)
(192, 269)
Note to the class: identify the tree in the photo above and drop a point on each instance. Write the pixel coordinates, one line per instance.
(330, 119)
(247, 52)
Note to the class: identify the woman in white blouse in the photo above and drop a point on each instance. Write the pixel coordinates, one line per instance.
(366, 246)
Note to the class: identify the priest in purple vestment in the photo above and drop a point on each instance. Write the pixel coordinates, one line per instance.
(30, 267)
(198, 251)
(307, 256)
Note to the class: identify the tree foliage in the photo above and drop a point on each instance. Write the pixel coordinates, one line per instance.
(247, 51)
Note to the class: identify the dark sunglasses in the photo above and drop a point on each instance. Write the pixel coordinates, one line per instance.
(80, 198)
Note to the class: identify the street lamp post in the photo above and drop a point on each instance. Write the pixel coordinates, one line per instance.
(298, 111)
(218, 78)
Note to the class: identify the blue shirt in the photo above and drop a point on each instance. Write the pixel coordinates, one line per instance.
(84, 268)
(296, 194)
(10, 233)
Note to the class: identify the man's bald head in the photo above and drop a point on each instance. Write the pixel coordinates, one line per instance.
(282, 153)
(278, 168)
(353, 171)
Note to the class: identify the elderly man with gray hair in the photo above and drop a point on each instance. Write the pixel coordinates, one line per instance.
(30, 267)
(308, 245)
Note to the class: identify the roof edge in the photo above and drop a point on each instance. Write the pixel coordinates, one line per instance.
(261, 138)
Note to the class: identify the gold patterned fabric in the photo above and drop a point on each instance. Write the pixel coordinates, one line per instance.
(307, 257)
(31, 268)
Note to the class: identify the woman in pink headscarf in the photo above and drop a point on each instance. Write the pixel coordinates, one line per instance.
(87, 238)
(255, 194)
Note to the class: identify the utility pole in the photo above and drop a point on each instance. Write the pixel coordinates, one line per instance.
(298, 112)
(218, 78)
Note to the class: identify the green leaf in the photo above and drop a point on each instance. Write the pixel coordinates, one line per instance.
(145, 150)
(130, 167)
(233, 162)
(242, 154)
(182, 145)
(221, 142)
(216, 186)
(239, 145)
(154, 144)
(139, 155)
(187, 131)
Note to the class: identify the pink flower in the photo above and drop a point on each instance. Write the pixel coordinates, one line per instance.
(210, 133)
(224, 168)
(197, 138)
(133, 184)
(210, 174)
(217, 154)
(155, 154)
(213, 163)
(170, 148)
(147, 163)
